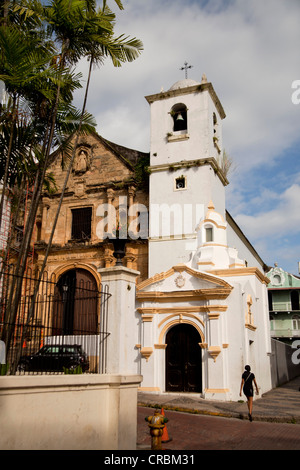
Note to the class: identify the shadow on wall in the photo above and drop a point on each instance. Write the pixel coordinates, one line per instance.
(285, 363)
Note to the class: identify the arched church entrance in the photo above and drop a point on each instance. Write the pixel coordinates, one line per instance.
(183, 359)
(75, 304)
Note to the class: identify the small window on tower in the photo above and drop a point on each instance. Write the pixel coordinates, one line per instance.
(179, 115)
(180, 183)
(209, 234)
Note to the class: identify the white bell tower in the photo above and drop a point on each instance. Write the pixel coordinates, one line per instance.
(186, 160)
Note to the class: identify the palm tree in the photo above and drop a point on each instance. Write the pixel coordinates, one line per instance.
(80, 30)
(101, 44)
(29, 72)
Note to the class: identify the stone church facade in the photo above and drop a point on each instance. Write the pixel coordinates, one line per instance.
(199, 305)
(103, 174)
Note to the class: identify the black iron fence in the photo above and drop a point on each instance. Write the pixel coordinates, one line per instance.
(55, 326)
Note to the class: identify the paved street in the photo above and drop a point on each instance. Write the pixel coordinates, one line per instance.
(200, 432)
(198, 424)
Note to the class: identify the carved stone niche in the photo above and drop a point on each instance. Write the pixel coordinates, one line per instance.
(82, 160)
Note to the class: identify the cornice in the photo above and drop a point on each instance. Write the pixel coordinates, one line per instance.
(191, 163)
(199, 88)
(183, 268)
(210, 309)
(176, 296)
(241, 272)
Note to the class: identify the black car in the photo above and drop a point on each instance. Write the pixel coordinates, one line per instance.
(55, 357)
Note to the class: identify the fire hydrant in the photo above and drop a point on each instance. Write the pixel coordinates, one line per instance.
(156, 424)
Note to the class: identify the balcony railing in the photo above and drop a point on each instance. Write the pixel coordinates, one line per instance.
(284, 333)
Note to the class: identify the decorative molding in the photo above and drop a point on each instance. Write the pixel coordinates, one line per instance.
(172, 238)
(213, 222)
(249, 323)
(242, 272)
(147, 311)
(214, 352)
(213, 315)
(180, 281)
(147, 318)
(204, 86)
(215, 244)
(192, 163)
(176, 322)
(149, 389)
(160, 346)
(146, 353)
(191, 295)
(177, 137)
(182, 310)
(216, 390)
(181, 318)
(183, 268)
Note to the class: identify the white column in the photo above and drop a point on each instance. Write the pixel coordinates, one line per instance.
(122, 323)
(215, 388)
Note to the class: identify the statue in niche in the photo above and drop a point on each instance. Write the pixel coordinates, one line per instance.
(81, 162)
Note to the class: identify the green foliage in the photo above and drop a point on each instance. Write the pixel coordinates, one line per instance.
(142, 172)
(76, 370)
(40, 45)
(4, 369)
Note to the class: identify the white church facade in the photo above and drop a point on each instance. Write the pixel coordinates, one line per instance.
(204, 308)
(189, 304)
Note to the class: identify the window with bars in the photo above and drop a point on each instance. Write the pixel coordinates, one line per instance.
(81, 223)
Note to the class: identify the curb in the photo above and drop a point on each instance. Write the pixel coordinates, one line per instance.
(236, 415)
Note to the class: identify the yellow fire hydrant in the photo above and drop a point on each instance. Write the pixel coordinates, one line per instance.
(156, 424)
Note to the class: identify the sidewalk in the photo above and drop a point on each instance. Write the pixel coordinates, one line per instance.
(281, 405)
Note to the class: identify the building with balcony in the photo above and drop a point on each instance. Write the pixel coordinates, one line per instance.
(284, 305)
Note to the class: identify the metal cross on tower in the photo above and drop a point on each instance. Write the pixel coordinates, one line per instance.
(186, 67)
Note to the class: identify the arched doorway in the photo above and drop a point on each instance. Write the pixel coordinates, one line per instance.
(183, 359)
(75, 304)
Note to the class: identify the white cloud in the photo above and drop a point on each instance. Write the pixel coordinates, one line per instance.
(282, 221)
(248, 50)
(250, 53)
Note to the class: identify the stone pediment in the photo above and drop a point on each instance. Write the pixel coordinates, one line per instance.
(129, 157)
(181, 281)
(97, 162)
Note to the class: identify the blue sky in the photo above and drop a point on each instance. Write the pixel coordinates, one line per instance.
(249, 50)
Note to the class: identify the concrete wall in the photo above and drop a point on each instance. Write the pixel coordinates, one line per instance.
(284, 363)
(66, 412)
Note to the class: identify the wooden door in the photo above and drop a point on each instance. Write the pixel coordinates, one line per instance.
(183, 360)
(75, 304)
